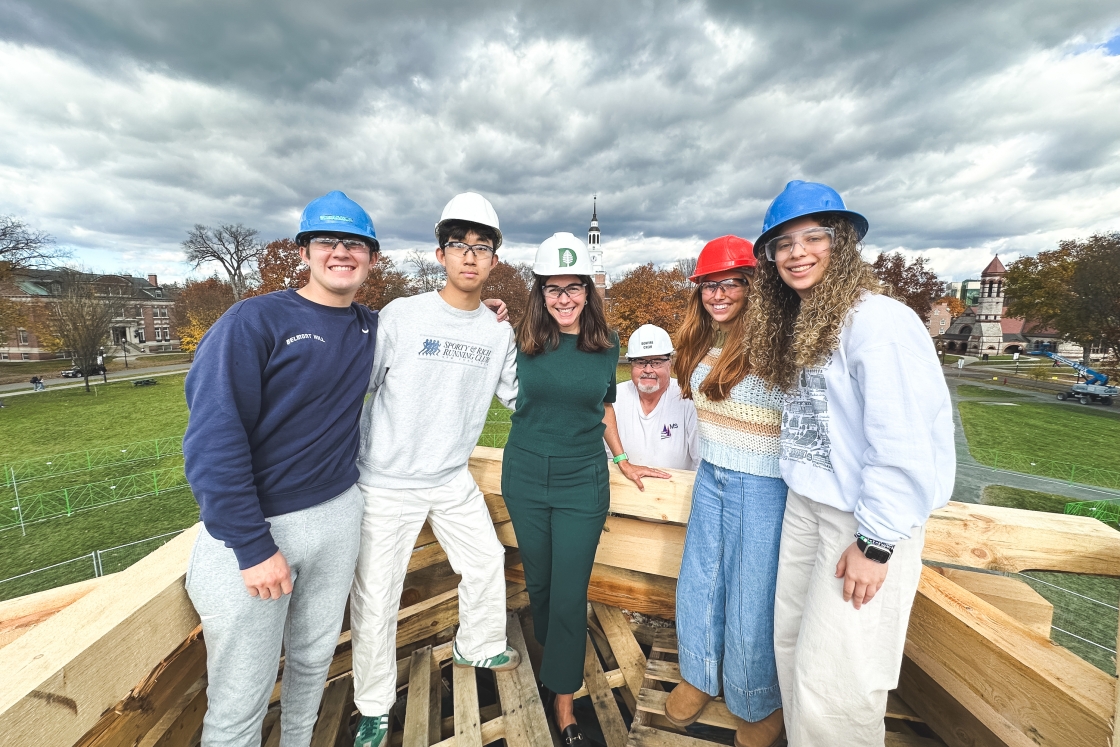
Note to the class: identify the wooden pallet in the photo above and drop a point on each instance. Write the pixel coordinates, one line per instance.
(651, 729)
(518, 717)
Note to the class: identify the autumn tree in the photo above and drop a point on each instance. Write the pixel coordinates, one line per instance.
(280, 267)
(915, 284)
(197, 307)
(21, 248)
(78, 319)
(1075, 289)
(384, 283)
(647, 295)
(510, 283)
(956, 306)
(234, 247)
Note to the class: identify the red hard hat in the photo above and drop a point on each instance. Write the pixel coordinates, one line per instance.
(724, 253)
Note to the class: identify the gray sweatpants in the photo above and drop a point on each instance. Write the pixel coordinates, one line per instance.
(243, 634)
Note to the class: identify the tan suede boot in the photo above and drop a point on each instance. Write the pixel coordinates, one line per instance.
(684, 704)
(764, 733)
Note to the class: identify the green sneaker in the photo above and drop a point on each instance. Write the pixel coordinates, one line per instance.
(372, 731)
(508, 659)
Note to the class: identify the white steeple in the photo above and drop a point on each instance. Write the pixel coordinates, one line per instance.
(594, 249)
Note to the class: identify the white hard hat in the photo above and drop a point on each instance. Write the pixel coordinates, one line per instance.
(647, 340)
(562, 254)
(473, 207)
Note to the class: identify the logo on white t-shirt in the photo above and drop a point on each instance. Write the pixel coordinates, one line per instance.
(455, 351)
(805, 422)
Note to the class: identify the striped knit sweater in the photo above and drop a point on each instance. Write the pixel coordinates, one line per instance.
(741, 432)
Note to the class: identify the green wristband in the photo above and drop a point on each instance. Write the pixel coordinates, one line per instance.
(621, 457)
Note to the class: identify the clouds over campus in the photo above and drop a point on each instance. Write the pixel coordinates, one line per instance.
(958, 128)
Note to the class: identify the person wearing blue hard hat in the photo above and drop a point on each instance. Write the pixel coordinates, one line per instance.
(866, 449)
(270, 451)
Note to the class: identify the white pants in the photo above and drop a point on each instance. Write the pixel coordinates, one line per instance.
(836, 663)
(391, 522)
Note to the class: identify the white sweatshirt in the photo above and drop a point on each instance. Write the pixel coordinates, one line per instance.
(872, 431)
(435, 370)
(666, 438)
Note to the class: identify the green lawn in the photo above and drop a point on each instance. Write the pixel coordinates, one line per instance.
(63, 420)
(1055, 440)
(1072, 613)
(970, 390)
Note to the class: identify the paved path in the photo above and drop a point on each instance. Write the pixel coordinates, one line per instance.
(973, 476)
(14, 390)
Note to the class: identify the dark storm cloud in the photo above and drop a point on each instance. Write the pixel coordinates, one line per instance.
(953, 125)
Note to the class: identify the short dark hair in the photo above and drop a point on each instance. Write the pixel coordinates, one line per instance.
(538, 332)
(457, 230)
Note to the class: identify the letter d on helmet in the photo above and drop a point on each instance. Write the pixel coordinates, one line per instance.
(562, 254)
(336, 213)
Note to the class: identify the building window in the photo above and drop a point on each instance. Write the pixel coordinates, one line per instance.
(3, 356)
(23, 337)
(140, 335)
(25, 356)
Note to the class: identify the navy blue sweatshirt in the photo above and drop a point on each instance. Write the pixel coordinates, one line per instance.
(275, 396)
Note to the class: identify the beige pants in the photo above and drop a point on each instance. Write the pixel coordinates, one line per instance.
(836, 663)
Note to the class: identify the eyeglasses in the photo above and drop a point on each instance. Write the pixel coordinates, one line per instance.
(729, 285)
(573, 291)
(459, 249)
(816, 240)
(328, 243)
(641, 363)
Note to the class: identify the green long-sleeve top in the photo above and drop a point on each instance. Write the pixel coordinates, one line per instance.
(560, 399)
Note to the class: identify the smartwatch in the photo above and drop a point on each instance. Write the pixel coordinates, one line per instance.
(879, 552)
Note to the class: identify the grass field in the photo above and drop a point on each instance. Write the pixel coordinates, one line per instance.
(971, 390)
(16, 372)
(1045, 434)
(1072, 613)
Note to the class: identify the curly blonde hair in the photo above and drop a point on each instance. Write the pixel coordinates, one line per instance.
(784, 333)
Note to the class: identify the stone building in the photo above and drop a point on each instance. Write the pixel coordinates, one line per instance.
(145, 325)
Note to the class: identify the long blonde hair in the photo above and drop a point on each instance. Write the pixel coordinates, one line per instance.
(694, 340)
(787, 334)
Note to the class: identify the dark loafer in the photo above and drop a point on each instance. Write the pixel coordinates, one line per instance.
(573, 736)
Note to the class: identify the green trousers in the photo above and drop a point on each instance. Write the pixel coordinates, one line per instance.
(558, 506)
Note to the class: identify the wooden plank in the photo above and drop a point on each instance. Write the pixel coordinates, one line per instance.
(492, 731)
(1010, 539)
(602, 698)
(645, 736)
(1013, 596)
(536, 722)
(418, 709)
(336, 698)
(19, 615)
(1014, 680)
(273, 715)
(898, 709)
(664, 671)
(894, 739)
(627, 652)
(181, 722)
(637, 592)
(714, 714)
(61, 676)
(615, 680)
(468, 726)
(427, 617)
(435, 705)
(950, 720)
(426, 556)
(665, 641)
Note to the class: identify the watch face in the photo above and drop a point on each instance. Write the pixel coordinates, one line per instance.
(878, 554)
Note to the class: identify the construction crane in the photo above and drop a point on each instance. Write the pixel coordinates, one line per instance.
(1095, 388)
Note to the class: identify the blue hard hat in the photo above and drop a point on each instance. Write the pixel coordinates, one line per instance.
(799, 199)
(337, 213)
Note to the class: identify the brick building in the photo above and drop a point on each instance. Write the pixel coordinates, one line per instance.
(145, 325)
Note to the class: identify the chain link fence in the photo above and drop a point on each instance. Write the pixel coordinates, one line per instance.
(81, 568)
(1065, 471)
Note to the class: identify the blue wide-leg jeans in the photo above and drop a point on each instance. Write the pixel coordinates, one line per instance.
(725, 593)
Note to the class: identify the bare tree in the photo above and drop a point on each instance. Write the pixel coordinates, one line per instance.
(78, 319)
(24, 248)
(687, 266)
(234, 247)
(429, 274)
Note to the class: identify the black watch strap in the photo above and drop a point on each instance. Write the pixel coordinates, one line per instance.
(879, 552)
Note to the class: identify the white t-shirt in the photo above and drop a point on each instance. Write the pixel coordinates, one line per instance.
(667, 438)
(871, 432)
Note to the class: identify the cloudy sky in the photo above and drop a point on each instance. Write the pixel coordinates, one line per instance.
(960, 129)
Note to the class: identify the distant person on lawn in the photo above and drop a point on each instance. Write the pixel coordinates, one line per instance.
(275, 394)
(656, 425)
(441, 358)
